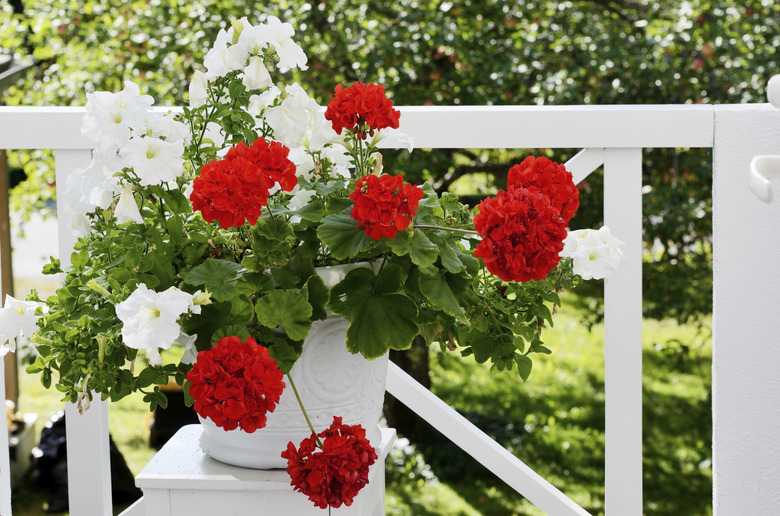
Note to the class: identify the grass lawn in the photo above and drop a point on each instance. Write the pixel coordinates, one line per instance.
(554, 422)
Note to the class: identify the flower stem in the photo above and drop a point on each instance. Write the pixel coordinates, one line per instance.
(305, 415)
(455, 230)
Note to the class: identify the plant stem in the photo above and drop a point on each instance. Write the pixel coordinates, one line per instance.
(305, 415)
(454, 230)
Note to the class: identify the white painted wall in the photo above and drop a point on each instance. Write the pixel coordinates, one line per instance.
(746, 322)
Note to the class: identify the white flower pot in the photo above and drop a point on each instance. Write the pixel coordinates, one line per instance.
(331, 382)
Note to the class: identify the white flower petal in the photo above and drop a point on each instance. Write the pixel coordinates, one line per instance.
(126, 208)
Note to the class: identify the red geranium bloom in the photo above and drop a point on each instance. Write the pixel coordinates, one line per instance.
(235, 189)
(522, 234)
(361, 105)
(235, 384)
(384, 205)
(338, 471)
(540, 175)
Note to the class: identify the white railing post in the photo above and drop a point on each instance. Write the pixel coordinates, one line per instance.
(623, 335)
(746, 317)
(89, 470)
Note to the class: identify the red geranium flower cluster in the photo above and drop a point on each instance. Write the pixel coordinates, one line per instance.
(235, 384)
(361, 105)
(338, 471)
(540, 175)
(235, 189)
(522, 234)
(384, 205)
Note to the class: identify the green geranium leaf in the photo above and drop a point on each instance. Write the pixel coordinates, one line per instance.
(318, 295)
(285, 353)
(423, 252)
(449, 257)
(238, 311)
(229, 331)
(356, 299)
(401, 244)
(217, 277)
(343, 237)
(314, 210)
(288, 309)
(436, 289)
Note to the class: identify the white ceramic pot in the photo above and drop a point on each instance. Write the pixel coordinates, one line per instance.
(331, 382)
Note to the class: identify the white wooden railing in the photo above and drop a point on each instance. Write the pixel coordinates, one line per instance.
(746, 414)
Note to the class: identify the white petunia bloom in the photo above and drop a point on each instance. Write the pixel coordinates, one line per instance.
(126, 208)
(595, 254)
(256, 75)
(259, 103)
(225, 57)
(100, 183)
(279, 35)
(74, 203)
(340, 158)
(110, 116)
(198, 90)
(394, 138)
(291, 119)
(304, 163)
(153, 160)
(17, 323)
(150, 318)
(190, 352)
(165, 126)
(320, 132)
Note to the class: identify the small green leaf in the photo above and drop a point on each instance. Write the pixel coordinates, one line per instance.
(285, 308)
(147, 377)
(524, 365)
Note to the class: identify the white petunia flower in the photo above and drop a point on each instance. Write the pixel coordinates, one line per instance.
(292, 118)
(304, 163)
(150, 318)
(110, 116)
(126, 208)
(165, 126)
(190, 352)
(153, 160)
(342, 162)
(198, 89)
(256, 75)
(279, 35)
(225, 57)
(595, 254)
(394, 138)
(259, 103)
(17, 323)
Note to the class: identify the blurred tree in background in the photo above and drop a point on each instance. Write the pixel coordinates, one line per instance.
(445, 53)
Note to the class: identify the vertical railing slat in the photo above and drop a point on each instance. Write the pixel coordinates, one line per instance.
(623, 335)
(5, 460)
(89, 471)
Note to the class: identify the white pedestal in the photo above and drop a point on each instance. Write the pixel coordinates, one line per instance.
(181, 480)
